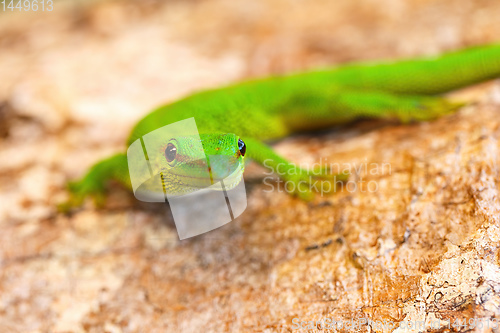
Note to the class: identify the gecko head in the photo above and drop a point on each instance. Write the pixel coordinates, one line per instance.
(190, 163)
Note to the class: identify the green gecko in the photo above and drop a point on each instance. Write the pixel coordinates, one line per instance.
(237, 120)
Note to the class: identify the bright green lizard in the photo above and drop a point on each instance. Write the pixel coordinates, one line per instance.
(235, 121)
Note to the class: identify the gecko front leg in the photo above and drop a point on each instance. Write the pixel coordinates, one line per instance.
(298, 181)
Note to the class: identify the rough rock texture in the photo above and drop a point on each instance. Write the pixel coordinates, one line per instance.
(413, 239)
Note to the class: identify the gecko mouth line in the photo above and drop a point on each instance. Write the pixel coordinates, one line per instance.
(229, 182)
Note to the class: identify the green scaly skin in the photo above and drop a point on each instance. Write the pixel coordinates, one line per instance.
(266, 109)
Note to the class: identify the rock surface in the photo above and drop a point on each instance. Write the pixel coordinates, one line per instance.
(413, 239)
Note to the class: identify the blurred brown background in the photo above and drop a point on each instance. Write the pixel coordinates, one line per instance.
(74, 81)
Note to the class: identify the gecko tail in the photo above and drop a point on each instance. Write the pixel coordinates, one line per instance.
(421, 76)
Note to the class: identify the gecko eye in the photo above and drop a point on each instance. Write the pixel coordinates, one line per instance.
(242, 147)
(170, 152)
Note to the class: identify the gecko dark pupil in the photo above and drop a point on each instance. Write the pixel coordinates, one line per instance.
(242, 147)
(170, 152)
